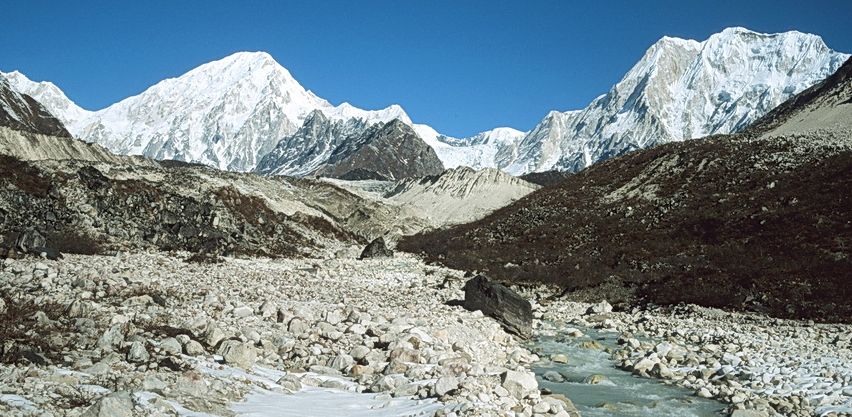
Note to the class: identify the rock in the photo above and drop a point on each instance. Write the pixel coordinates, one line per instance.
(602, 307)
(749, 413)
(376, 249)
(341, 362)
(193, 348)
(445, 385)
(154, 384)
(406, 390)
(290, 382)
(29, 241)
(595, 379)
(591, 344)
(268, 310)
(553, 376)
(116, 404)
(564, 402)
(214, 336)
(519, 384)
(111, 338)
(238, 353)
(138, 353)
(297, 326)
(359, 352)
(643, 365)
(242, 312)
(171, 346)
(499, 302)
(559, 358)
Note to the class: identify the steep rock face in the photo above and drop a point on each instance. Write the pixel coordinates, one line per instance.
(387, 151)
(311, 146)
(21, 112)
(680, 89)
(825, 108)
(51, 97)
(750, 221)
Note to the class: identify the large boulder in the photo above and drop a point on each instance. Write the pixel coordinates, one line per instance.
(519, 384)
(116, 404)
(376, 249)
(499, 302)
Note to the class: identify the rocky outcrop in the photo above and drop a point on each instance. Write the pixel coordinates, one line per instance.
(388, 151)
(77, 207)
(376, 249)
(21, 112)
(310, 147)
(498, 301)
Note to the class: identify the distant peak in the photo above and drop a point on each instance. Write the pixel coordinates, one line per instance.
(738, 30)
(251, 56)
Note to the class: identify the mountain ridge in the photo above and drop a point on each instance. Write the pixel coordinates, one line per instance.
(679, 89)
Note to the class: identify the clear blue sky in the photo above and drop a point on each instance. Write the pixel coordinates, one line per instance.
(460, 66)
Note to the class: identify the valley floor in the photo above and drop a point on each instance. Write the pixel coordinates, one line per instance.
(150, 334)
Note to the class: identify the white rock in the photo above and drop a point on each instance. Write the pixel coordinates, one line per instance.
(519, 384)
(445, 385)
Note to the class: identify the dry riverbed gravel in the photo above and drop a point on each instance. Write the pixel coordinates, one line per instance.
(148, 334)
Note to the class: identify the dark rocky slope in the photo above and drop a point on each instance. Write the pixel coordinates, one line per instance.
(22, 112)
(388, 151)
(80, 207)
(744, 221)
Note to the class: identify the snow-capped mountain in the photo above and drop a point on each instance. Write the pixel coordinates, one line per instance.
(231, 113)
(246, 112)
(680, 89)
(21, 112)
(227, 113)
(51, 97)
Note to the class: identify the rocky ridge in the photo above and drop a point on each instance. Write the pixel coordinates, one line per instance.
(385, 151)
(233, 112)
(21, 112)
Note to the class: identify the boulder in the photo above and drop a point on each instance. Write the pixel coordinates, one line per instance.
(749, 413)
(602, 307)
(116, 404)
(519, 384)
(238, 353)
(445, 384)
(553, 376)
(137, 353)
(376, 249)
(499, 302)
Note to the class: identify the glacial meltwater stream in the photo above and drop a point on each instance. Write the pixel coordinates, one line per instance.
(598, 388)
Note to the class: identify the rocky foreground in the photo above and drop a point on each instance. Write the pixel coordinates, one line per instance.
(760, 366)
(149, 334)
